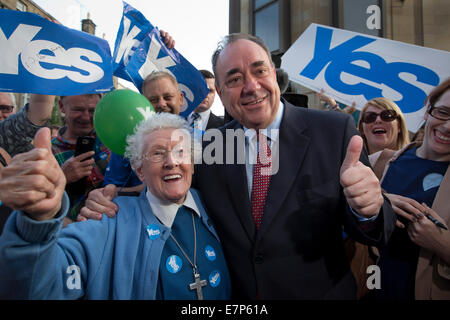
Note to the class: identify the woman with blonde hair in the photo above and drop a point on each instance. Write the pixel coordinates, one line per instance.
(382, 126)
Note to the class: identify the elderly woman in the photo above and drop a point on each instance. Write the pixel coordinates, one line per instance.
(161, 245)
(382, 126)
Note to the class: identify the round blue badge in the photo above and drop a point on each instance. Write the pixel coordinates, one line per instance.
(154, 232)
(214, 278)
(174, 264)
(210, 253)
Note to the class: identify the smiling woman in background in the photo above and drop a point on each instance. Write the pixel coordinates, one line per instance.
(415, 264)
(382, 126)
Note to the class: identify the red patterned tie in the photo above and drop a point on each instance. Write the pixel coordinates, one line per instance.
(261, 179)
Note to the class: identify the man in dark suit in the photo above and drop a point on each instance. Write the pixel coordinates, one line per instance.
(202, 118)
(318, 184)
(279, 215)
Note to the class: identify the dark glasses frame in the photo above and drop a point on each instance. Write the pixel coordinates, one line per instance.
(439, 113)
(385, 115)
(6, 108)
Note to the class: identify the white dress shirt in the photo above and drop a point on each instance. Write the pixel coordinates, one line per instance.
(167, 211)
(202, 121)
(251, 146)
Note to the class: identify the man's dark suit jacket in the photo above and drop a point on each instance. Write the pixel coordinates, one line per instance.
(214, 122)
(298, 251)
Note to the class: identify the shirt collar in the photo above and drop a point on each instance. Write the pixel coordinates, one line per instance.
(166, 212)
(205, 113)
(272, 129)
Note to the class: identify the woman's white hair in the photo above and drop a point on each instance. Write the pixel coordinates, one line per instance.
(135, 142)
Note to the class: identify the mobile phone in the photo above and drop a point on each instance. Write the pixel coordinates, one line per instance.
(84, 144)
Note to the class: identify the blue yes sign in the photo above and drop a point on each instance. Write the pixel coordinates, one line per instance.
(352, 67)
(340, 59)
(139, 51)
(39, 56)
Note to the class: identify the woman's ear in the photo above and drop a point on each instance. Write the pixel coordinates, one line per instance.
(139, 173)
(425, 116)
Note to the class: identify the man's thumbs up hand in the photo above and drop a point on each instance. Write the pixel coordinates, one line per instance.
(353, 153)
(34, 182)
(361, 186)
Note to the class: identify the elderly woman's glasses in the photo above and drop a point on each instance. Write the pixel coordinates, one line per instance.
(440, 113)
(6, 109)
(178, 154)
(385, 115)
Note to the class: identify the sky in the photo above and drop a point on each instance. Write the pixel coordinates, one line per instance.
(196, 25)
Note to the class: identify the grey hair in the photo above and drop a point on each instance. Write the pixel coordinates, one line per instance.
(232, 37)
(156, 75)
(13, 99)
(135, 142)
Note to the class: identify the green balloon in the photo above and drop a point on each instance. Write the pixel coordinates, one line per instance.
(117, 114)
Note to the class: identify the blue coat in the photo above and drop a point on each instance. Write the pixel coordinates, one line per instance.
(109, 259)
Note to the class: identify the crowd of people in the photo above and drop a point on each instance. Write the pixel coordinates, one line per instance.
(157, 224)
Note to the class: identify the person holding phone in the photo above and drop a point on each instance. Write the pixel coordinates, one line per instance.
(83, 165)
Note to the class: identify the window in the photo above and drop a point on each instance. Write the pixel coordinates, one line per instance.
(356, 18)
(260, 3)
(266, 22)
(21, 6)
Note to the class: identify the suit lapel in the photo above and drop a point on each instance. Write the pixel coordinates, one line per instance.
(213, 122)
(236, 177)
(293, 144)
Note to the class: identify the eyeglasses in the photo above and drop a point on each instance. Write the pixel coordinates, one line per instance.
(440, 113)
(178, 155)
(6, 109)
(385, 115)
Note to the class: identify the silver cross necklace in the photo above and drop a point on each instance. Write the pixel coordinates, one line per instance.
(197, 284)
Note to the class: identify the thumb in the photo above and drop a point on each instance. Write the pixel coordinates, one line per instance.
(42, 139)
(353, 152)
(109, 191)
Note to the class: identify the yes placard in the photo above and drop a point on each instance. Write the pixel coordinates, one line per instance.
(354, 67)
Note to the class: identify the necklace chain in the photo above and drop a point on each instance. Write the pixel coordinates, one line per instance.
(194, 265)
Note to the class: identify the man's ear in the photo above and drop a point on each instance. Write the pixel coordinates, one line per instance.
(61, 106)
(181, 98)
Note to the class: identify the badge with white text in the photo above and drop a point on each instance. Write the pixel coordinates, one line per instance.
(214, 278)
(154, 232)
(174, 264)
(210, 253)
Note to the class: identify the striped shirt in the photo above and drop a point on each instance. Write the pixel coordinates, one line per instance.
(63, 150)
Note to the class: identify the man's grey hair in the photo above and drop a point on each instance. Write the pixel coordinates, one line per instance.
(232, 37)
(156, 75)
(13, 100)
(135, 143)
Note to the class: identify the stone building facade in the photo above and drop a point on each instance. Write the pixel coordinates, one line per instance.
(281, 22)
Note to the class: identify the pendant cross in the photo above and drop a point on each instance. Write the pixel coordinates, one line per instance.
(197, 285)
